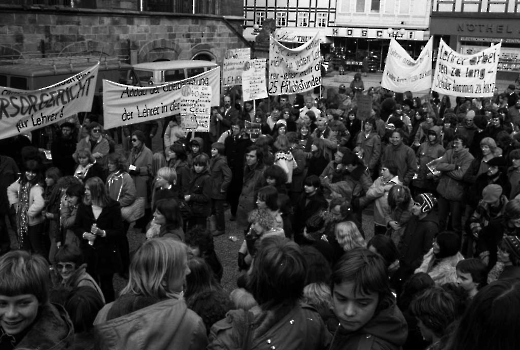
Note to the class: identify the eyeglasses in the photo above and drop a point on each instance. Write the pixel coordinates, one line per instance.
(30, 172)
(417, 204)
(96, 130)
(134, 140)
(384, 169)
(66, 266)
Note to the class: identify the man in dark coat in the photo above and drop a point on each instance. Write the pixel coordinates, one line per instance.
(63, 148)
(235, 148)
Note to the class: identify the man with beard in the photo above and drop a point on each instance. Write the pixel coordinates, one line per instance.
(453, 165)
(63, 148)
(227, 116)
(402, 155)
(468, 128)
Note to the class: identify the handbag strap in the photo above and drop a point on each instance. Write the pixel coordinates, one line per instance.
(246, 344)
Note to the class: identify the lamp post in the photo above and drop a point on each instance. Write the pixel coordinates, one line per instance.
(396, 33)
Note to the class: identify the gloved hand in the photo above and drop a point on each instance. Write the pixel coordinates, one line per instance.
(133, 172)
(242, 261)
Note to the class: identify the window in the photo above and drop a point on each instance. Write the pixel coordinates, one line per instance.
(259, 18)
(360, 6)
(281, 19)
(174, 75)
(19, 83)
(303, 19)
(322, 19)
(376, 4)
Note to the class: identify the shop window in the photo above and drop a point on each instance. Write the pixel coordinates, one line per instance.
(374, 7)
(360, 6)
(259, 18)
(303, 19)
(281, 19)
(322, 19)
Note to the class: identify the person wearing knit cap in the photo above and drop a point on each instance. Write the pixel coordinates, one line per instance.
(507, 225)
(418, 236)
(441, 261)
(429, 150)
(495, 174)
(508, 264)
(491, 207)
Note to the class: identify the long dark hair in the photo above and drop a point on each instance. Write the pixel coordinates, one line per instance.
(200, 279)
(491, 323)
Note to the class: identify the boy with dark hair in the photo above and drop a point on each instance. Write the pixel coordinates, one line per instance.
(364, 305)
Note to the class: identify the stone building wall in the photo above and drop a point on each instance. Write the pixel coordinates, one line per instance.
(39, 32)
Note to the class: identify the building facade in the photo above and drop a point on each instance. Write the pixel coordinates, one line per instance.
(470, 26)
(351, 29)
(135, 30)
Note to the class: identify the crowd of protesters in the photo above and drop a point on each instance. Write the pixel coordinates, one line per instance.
(299, 175)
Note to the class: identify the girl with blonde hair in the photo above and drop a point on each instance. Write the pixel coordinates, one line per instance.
(152, 299)
(348, 236)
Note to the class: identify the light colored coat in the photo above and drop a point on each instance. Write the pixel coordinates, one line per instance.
(444, 272)
(36, 201)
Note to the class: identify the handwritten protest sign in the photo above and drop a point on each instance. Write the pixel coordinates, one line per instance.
(253, 80)
(296, 70)
(195, 107)
(233, 66)
(126, 105)
(364, 106)
(22, 111)
(466, 75)
(403, 73)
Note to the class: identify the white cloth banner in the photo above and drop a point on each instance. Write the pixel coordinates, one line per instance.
(403, 73)
(466, 75)
(233, 66)
(126, 104)
(22, 111)
(195, 105)
(296, 70)
(253, 80)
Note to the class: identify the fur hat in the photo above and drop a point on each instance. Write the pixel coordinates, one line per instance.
(427, 201)
(512, 87)
(449, 244)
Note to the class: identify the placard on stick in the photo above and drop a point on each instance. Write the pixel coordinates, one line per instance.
(364, 106)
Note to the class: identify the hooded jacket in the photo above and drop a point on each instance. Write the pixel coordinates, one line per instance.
(166, 325)
(404, 158)
(191, 156)
(387, 330)
(425, 154)
(378, 192)
(453, 166)
(52, 330)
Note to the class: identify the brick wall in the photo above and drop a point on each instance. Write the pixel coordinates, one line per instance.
(33, 32)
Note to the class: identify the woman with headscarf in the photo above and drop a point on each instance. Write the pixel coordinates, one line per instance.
(441, 261)
(140, 169)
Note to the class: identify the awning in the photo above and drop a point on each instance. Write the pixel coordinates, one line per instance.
(290, 35)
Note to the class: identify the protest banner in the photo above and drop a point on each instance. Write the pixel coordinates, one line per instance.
(233, 66)
(364, 106)
(195, 107)
(403, 73)
(22, 111)
(466, 75)
(126, 104)
(253, 80)
(295, 70)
